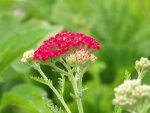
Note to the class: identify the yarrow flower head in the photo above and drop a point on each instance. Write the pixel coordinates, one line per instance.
(27, 57)
(65, 42)
(81, 56)
(131, 93)
(142, 64)
(74, 53)
(127, 93)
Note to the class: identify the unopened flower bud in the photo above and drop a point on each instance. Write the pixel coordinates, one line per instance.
(81, 56)
(27, 57)
(143, 64)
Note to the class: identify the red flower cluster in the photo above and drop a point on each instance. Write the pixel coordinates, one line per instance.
(62, 43)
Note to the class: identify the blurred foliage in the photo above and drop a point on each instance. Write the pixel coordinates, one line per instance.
(12, 32)
(122, 27)
(30, 99)
(118, 24)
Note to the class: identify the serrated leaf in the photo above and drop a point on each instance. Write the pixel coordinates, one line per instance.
(61, 82)
(41, 80)
(54, 108)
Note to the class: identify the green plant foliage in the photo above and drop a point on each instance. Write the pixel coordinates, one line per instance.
(123, 29)
(17, 37)
(41, 80)
(117, 109)
(25, 97)
(61, 82)
(54, 108)
(39, 9)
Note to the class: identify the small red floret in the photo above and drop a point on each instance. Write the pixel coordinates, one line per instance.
(62, 43)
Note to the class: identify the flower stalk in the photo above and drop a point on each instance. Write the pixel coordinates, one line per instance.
(77, 92)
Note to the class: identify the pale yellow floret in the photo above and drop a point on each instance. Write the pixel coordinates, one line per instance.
(81, 56)
(143, 63)
(27, 56)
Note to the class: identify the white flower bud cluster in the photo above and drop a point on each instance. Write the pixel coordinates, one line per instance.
(81, 56)
(27, 56)
(130, 93)
(143, 63)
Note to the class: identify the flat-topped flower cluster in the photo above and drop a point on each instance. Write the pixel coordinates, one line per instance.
(64, 42)
(130, 93)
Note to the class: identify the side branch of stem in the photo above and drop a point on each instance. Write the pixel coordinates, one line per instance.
(55, 91)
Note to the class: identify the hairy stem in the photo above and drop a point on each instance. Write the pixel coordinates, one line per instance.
(60, 98)
(75, 81)
(79, 101)
(77, 90)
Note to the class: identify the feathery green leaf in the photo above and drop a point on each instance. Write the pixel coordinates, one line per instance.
(41, 80)
(54, 108)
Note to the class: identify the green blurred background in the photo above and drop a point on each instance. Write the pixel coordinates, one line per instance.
(121, 26)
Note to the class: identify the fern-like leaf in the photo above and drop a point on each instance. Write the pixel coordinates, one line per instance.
(61, 84)
(54, 108)
(41, 80)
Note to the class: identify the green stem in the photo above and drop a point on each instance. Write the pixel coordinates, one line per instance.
(60, 98)
(79, 101)
(76, 87)
(145, 107)
(58, 69)
(55, 91)
(77, 91)
(141, 73)
(42, 74)
(80, 107)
